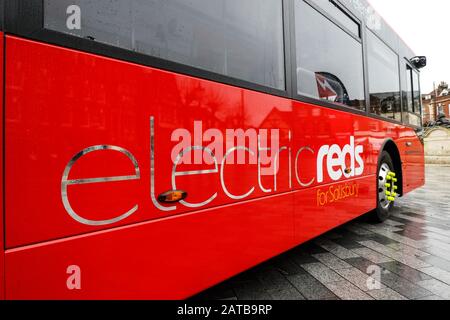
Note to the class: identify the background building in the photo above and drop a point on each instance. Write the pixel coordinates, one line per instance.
(436, 102)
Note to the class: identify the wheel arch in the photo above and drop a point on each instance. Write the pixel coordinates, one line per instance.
(391, 147)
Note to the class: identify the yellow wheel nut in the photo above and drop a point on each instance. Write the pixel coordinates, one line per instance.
(388, 193)
(394, 179)
(387, 185)
(388, 178)
(392, 199)
(392, 174)
(395, 187)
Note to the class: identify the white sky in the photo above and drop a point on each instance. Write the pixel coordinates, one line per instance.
(424, 26)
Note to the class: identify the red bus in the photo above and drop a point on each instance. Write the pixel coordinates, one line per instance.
(121, 120)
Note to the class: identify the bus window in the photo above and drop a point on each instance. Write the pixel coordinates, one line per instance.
(408, 99)
(239, 39)
(384, 85)
(411, 98)
(329, 60)
(416, 92)
(331, 8)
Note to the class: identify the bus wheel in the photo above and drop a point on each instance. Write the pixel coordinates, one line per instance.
(386, 189)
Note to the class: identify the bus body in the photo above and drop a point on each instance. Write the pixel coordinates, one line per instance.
(96, 126)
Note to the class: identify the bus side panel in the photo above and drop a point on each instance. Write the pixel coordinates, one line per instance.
(2, 230)
(169, 259)
(333, 206)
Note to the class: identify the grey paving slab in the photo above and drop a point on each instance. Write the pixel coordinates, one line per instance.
(375, 228)
(358, 230)
(399, 238)
(435, 249)
(397, 246)
(348, 243)
(432, 229)
(300, 258)
(273, 280)
(360, 279)
(396, 255)
(436, 236)
(347, 291)
(380, 239)
(311, 288)
(336, 249)
(393, 223)
(331, 261)
(403, 286)
(251, 290)
(440, 289)
(437, 262)
(409, 218)
(386, 294)
(321, 272)
(287, 265)
(286, 294)
(413, 234)
(372, 255)
(433, 297)
(360, 263)
(220, 292)
(333, 235)
(405, 272)
(399, 284)
(436, 243)
(437, 273)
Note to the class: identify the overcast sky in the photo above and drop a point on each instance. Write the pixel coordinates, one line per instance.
(424, 26)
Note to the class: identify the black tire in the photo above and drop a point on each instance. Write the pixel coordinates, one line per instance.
(382, 212)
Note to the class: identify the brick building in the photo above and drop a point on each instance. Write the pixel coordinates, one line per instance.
(436, 102)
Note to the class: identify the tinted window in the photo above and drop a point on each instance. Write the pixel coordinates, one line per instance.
(384, 85)
(408, 99)
(416, 92)
(329, 61)
(411, 98)
(416, 116)
(331, 8)
(240, 39)
(1, 14)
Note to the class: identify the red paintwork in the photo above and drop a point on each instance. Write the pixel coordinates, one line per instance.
(60, 101)
(2, 245)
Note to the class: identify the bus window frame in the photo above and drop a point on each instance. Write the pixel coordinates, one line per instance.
(405, 111)
(399, 73)
(25, 18)
(317, 101)
(417, 72)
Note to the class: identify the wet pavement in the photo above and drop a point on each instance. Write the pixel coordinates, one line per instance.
(407, 257)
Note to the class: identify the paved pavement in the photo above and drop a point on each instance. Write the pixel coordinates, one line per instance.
(408, 257)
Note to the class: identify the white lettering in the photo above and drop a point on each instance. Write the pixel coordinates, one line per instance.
(320, 158)
(334, 160)
(74, 19)
(74, 280)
